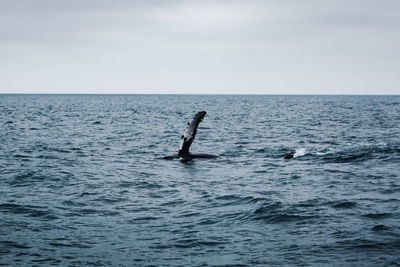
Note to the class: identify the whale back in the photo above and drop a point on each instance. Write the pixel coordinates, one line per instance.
(188, 136)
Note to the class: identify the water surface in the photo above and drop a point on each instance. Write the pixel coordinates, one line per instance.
(81, 183)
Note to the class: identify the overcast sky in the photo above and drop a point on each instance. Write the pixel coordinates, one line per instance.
(220, 46)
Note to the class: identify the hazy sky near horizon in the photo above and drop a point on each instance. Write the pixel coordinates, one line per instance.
(220, 46)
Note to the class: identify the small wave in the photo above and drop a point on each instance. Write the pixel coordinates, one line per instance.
(278, 213)
(71, 245)
(194, 242)
(111, 200)
(344, 205)
(31, 211)
(208, 222)
(187, 214)
(11, 244)
(360, 153)
(346, 158)
(21, 156)
(360, 243)
(144, 219)
(284, 217)
(228, 197)
(378, 216)
(380, 227)
(229, 200)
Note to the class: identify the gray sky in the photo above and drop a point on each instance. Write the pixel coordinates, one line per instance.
(220, 46)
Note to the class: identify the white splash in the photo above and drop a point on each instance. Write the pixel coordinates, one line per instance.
(299, 152)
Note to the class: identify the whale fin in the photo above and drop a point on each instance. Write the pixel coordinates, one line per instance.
(188, 136)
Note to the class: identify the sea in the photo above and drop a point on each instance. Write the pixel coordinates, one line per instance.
(83, 182)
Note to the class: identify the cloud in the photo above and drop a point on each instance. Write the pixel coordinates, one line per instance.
(253, 46)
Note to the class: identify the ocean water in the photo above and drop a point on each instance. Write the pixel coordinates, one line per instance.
(82, 182)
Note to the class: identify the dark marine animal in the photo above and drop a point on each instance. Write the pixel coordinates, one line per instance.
(289, 156)
(187, 139)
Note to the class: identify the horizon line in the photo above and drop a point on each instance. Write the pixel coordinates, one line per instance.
(216, 94)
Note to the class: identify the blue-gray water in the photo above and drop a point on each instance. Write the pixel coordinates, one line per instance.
(81, 183)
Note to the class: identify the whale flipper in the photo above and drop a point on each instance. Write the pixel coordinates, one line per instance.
(189, 134)
(187, 139)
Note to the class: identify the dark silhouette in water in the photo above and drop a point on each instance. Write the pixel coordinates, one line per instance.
(187, 139)
(289, 156)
